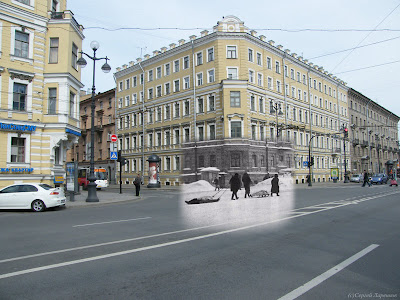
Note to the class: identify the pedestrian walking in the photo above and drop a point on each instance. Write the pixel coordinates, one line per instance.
(235, 185)
(216, 183)
(275, 185)
(246, 183)
(366, 179)
(137, 183)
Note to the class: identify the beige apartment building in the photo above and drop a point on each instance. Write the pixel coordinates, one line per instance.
(39, 83)
(232, 101)
(374, 135)
(104, 120)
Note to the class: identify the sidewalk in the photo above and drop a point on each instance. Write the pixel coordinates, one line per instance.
(112, 195)
(327, 184)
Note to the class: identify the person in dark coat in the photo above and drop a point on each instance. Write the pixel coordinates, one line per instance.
(137, 183)
(235, 185)
(216, 183)
(246, 183)
(366, 179)
(275, 185)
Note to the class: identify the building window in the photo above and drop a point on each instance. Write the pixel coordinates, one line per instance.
(168, 164)
(199, 58)
(210, 54)
(270, 83)
(259, 59)
(167, 69)
(19, 96)
(261, 103)
(277, 67)
(186, 62)
(159, 91)
(187, 106)
(186, 82)
(259, 79)
(158, 72)
(251, 76)
(74, 55)
(252, 103)
(176, 85)
(231, 52)
(212, 132)
(269, 63)
(21, 48)
(167, 112)
(176, 135)
(187, 135)
(167, 88)
(71, 104)
(235, 99)
(150, 94)
(176, 66)
(211, 76)
(278, 86)
(177, 110)
(53, 53)
(52, 101)
(253, 132)
(211, 103)
(201, 161)
(201, 133)
(24, 1)
(17, 149)
(213, 160)
(235, 160)
(167, 138)
(200, 79)
(200, 105)
(151, 75)
(232, 73)
(251, 57)
(236, 129)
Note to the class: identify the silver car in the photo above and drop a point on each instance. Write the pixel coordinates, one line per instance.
(357, 178)
(35, 196)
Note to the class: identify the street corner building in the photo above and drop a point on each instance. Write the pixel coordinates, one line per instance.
(230, 101)
(39, 84)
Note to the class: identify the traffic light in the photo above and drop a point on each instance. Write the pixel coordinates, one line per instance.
(121, 160)
(346, 132)
(312, 161)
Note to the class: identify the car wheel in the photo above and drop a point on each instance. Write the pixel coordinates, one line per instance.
(38, 206)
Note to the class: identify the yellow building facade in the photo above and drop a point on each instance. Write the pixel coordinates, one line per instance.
(230, 100)
(39, 101)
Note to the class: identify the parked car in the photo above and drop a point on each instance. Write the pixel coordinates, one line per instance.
(379, 178)
(35, 196)
(357, 178)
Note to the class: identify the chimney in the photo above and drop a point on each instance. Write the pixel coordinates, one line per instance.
(172, 46)
(118, 69)
(125, 66)
(280, 47)
(271, 42)
(181, 42)
(138, 60)
(147, 56)
(131, 63)
(163, 49)
(156, 52)
(262, 37)
(253, 32)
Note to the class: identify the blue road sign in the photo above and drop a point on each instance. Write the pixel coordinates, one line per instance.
(114, 155)
(305, 163)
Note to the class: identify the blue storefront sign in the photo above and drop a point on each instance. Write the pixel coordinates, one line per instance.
(17, 127)
(67, 130)
(16, 170)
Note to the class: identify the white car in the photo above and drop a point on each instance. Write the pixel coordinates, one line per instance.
(357, 178)
(35, 196)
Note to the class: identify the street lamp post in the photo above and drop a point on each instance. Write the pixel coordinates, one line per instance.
(92, 195)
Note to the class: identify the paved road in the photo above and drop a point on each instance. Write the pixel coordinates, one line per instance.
(334, 242)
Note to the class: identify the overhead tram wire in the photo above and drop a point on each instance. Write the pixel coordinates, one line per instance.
(365, 38)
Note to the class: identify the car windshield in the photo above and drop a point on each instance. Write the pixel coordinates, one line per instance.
(46, 186)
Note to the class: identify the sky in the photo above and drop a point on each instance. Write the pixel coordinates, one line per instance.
(336, 26)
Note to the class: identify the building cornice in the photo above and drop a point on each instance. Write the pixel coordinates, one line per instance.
(29, 19)
(67, 76)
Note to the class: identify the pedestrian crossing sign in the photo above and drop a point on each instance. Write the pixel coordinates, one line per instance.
(114, 155)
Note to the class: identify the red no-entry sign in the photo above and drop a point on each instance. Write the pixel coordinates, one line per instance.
(114, 138)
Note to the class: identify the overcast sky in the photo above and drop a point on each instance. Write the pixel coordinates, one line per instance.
(380, 83)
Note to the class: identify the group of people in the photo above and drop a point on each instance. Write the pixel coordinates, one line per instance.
(235, 184)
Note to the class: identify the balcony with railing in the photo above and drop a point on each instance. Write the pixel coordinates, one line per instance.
(55, 16)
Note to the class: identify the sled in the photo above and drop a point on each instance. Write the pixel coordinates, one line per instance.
(260, 194)
(201, 200)
(393, 182)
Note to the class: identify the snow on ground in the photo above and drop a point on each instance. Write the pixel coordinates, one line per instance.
(243, 210)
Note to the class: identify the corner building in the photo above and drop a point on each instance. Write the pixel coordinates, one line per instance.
(230, 100)
(39, 84)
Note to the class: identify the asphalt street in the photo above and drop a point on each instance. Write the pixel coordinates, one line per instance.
(334, 242)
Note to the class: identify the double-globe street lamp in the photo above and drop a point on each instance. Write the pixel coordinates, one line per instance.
(92, 195)
(274, 109)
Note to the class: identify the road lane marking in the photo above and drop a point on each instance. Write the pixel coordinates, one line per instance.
(324, 276)
(118, 221)
(295, 212)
